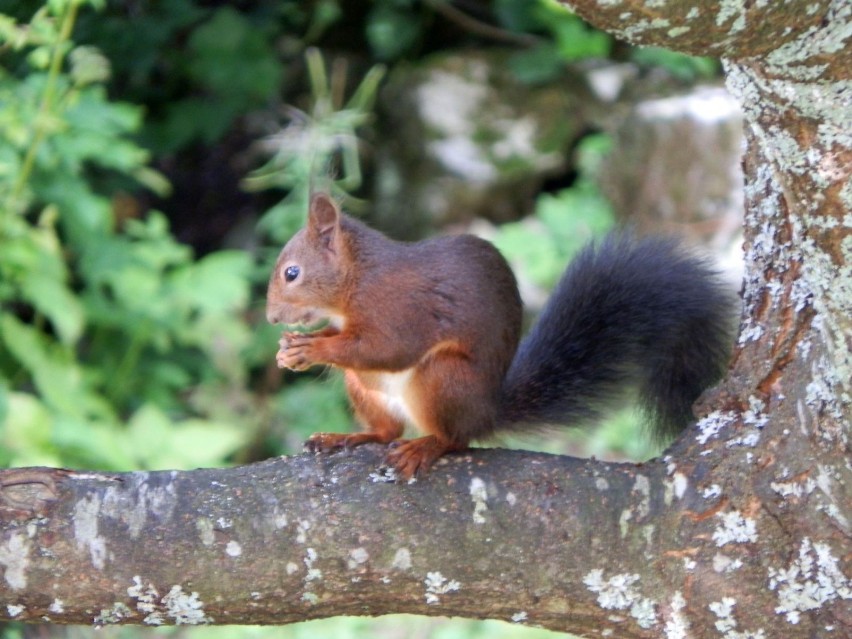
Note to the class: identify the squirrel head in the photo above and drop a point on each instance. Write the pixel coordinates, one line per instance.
(308, 283)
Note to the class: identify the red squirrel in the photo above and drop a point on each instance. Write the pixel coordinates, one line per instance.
(427, 333)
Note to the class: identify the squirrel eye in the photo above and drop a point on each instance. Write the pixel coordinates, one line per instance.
(291, 273)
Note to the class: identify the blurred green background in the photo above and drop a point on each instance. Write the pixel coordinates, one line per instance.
(139, 222)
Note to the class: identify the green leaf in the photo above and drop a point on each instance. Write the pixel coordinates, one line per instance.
(56, 374)
(88, 65)
(232, 58)
(148, 433)
(324, 14)
(680, 65)
(147, 248)
(312, 406)
(532, 248)
(537, 65)
(39, 58)
(576, 41)
(27, 432)
(519, 15)
(153, 180)
(158, 443)
(58, 7)
(4, 401)
(592, 152)
(188, 120)
(84, 216)
(564, 222)
(53, 298)
(199, 443)
(12, 34)
(575, 216)
(392, 30)
(27, 249)
(93, 444)
(96, 132)
(217, 283)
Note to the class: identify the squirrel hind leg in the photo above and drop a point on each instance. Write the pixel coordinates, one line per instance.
(380, 426)
(452, 405)
(454, 399)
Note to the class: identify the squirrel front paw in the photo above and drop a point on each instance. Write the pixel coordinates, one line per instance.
(296, 352)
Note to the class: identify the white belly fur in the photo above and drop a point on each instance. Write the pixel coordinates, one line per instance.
(392, 388)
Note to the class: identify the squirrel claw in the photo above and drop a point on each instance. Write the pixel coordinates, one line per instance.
(294, 355)
(324, 442)
(298, 352)
(294, 363)
(328, 442)
(415, 456)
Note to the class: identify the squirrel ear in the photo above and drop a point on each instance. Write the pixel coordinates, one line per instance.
(324, 218)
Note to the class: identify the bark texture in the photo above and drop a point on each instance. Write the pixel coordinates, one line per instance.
(741, 531)
(491, 534)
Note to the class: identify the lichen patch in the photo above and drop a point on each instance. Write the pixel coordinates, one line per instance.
(677, 625)
(185, 608)
(15, 609)
(811, 580)
(15, 558)
(436, 585)
(620, 592)
(734, 529)
(402, 559)
(479, 494)
(205, 531)
(726, 624)
(86, 513)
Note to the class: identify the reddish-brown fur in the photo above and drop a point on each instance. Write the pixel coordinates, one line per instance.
(424, 332)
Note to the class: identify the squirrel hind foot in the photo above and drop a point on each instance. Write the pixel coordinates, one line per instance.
(328, 442)
(411, 457)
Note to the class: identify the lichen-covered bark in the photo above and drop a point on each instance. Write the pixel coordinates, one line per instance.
(742, 530)
(495, 534)
(775, 436)
(567, 544)
(733, 29)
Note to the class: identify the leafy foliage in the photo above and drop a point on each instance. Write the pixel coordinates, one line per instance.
(199, 68)
(394, 27)
(103, 321)
(232, 63)
(681, 66)
(109, 327)
(568, 38)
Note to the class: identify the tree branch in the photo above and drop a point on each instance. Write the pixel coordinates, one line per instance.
(567, 544)
(733, 30)
(557, 542)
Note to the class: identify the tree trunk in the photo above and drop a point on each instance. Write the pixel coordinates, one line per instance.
(742, 530)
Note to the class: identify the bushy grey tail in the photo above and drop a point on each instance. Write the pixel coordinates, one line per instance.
(628, 311)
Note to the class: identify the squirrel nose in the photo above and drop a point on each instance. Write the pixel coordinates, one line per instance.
(273, 314)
